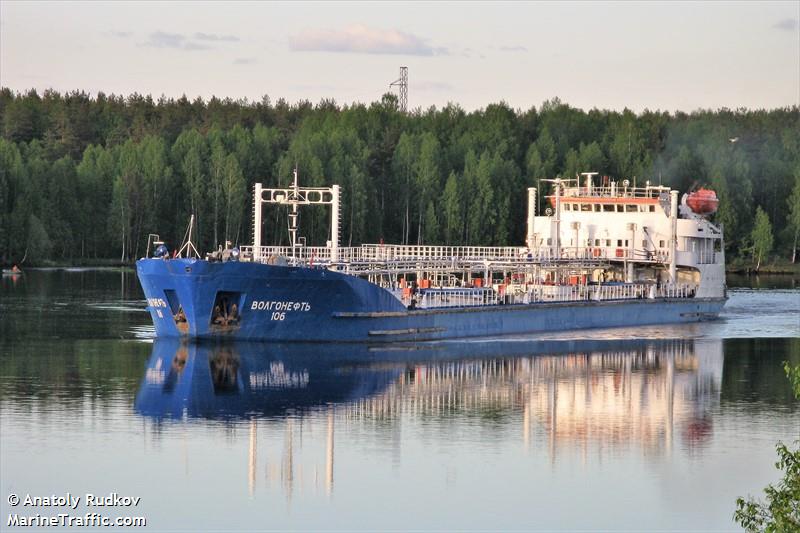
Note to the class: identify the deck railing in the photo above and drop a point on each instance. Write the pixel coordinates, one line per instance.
(617, 191)
(392, 252)
(377, 254)
(436, 298)
(531, 294)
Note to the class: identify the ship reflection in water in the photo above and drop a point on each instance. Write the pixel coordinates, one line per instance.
(575, 396)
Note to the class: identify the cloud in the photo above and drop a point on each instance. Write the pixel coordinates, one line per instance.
(244, 61)
(788, 24)
(513, 49)
(432, 86)
(160, 39)
(195, 46)
(359, 39)
(470, 53)
(214, 37)
(122, 34)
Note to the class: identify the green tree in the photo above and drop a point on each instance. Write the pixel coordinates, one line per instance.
(572, 165)
(160, 188)
(627, 146)
(453, 200)
(780, 513)
(427, 187)
(38, 246)
(96, 173)
(189, 155)
(761, 237)
(793, 217)
(62, 218)
(403, 162)
(126, 203)
(590, 158)
(12, 171)
(541, 157)
(482, 214)
(235, 194)
(217, 167)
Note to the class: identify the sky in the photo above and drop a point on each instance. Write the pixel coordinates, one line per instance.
(609, 55)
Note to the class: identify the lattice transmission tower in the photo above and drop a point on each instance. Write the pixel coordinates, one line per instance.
(402, 83)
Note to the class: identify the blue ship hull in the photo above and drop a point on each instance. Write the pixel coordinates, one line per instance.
(287, 304)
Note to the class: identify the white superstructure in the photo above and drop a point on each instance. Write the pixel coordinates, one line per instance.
(639, 228)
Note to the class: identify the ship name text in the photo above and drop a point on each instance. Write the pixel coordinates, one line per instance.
(279, 308)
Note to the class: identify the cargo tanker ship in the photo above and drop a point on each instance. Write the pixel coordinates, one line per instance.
(603, 254)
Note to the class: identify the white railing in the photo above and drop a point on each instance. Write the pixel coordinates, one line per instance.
(531, 294)
(392, 252)
(436, 298)
(618, 191)
(379, 253)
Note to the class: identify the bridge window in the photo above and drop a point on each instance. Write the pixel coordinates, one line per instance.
(619, 242)
(574, 207)
(586, 207)
(566, 207)
(608, 208)
(620, 208)
(660, 244)
(652, 209)
(631, 208)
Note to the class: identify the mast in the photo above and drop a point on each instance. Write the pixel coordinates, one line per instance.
(673, 238)
(293, 211)
(257, 222)
(557, 240)
(293, 197)
(335, 191)
(531, 237)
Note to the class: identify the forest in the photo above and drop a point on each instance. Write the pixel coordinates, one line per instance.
(86, 178)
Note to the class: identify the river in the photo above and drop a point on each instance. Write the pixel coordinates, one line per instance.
(651, 428)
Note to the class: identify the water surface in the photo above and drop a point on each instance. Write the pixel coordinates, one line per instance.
(657, 428)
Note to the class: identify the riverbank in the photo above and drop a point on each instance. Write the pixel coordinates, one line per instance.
(747, 268)
(76, 263)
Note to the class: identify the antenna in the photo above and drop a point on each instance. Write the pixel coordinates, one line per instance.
(402, 83)
(187, 241)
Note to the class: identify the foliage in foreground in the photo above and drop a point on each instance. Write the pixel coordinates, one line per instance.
(780, 513)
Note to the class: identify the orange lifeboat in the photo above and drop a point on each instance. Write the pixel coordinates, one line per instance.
(703, 201)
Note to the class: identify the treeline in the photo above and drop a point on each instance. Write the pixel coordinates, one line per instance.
(89, 178)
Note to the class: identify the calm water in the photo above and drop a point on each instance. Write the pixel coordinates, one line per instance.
(656, 428)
